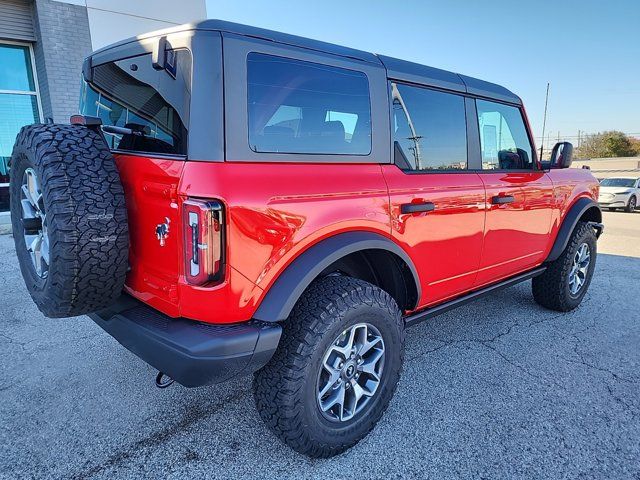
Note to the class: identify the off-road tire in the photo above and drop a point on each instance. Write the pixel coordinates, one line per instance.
(631, 206)
(86, 218)
(551, 289)
(285, 389)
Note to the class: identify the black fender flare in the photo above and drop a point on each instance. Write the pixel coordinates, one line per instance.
(570, 221)
(293, 281)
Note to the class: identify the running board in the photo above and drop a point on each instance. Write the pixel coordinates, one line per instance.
(457, 302)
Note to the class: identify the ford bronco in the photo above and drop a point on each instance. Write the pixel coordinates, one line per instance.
(232, 200)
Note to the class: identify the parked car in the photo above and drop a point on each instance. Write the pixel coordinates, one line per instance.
(619, 192)
(235, 200)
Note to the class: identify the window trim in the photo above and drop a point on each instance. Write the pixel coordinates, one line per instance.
(34, 72)
(237, 148)
(260, 152)
(33, 93)
(470, 150)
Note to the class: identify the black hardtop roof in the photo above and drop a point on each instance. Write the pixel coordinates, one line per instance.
(396, 68)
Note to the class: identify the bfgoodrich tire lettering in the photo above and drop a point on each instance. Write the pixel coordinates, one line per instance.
(286, 389)
(552, 289)
(85, 215)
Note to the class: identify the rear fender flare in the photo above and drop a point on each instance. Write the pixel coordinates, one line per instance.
(293, 281)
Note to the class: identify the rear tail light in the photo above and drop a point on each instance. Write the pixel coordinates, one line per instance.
(203, 225)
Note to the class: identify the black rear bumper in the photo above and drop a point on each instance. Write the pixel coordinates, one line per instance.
(191, 353)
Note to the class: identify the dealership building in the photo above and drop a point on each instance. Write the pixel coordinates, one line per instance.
(42, 46)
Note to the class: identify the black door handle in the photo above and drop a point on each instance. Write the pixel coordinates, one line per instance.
(502, 199)
(417, 207)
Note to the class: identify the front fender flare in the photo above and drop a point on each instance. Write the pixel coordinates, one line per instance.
(570, 221)
(293, 281)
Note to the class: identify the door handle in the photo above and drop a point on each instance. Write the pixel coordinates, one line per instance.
(417, 207)
(502, 199)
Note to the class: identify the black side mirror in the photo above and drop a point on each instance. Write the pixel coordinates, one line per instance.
(561, 155)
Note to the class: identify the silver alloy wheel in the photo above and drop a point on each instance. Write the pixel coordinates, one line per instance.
(34, 223)
(351, 372)
(632, 204)
(579, 268)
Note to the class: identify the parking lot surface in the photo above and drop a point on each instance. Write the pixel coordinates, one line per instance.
(499, 388)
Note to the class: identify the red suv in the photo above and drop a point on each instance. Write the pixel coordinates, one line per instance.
(235, 200)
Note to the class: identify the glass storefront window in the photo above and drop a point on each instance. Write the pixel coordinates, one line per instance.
(18, 105)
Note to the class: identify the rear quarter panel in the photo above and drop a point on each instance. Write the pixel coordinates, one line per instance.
(276, 211)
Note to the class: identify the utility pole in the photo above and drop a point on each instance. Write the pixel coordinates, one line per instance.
(544, 120)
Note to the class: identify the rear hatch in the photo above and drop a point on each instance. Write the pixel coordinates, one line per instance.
(147, 109)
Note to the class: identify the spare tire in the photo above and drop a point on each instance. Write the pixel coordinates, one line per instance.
(69, 219)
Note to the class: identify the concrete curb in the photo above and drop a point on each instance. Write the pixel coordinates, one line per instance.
(5, 229)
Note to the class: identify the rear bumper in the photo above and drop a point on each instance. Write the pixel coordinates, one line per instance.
(191, 353)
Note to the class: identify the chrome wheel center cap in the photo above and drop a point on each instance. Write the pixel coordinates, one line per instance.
(350, 371)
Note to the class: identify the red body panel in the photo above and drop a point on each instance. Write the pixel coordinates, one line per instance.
(276, 211)
(569, 185)
(445, 244)
(516, 234)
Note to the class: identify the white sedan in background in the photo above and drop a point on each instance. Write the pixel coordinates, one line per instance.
(620, 192)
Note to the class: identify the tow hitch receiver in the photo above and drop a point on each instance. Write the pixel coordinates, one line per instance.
(163, 380)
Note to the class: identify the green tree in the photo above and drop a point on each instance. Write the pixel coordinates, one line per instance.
(608, 144)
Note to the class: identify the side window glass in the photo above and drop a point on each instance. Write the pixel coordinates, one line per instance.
(303, 107)
(429, 129)
(504, 141)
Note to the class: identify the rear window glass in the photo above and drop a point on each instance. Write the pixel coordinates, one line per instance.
(131, 93)
(307, 108)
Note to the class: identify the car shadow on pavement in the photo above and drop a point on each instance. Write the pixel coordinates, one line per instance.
(497, 388)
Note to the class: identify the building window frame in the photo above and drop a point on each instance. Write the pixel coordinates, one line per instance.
(33, 93)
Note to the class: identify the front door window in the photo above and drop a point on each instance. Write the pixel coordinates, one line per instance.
(504, 141)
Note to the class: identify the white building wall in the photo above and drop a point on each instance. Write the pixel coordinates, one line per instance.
(113, 20)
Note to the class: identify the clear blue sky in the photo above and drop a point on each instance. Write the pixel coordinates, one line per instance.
(588, 50)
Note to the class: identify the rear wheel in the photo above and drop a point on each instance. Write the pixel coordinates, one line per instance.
(566, 280)
(336, 368)
(68, 218)
(631, 206)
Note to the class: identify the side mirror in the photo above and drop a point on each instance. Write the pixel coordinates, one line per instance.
(561, 155)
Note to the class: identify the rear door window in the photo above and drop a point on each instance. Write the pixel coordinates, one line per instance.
(154, 103)
(302, 107)
(429, 129)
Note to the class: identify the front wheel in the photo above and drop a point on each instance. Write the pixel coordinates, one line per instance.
(566, 280)
(336, 368)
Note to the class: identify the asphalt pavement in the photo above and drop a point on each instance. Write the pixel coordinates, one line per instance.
(499, 388)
